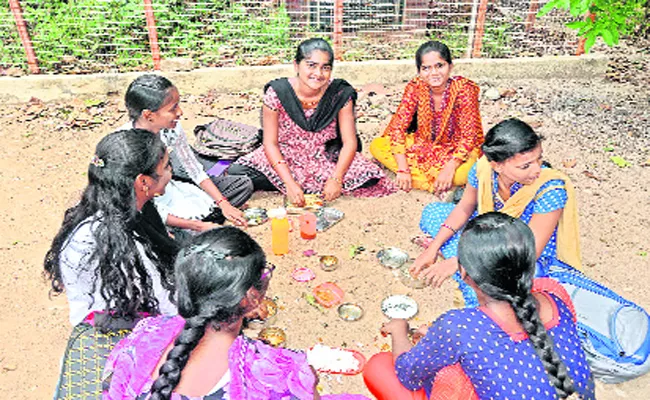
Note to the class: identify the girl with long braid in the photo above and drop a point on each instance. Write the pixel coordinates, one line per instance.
(521, 342)
(221, 276)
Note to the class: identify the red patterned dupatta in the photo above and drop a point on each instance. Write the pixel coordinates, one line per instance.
(436, 125)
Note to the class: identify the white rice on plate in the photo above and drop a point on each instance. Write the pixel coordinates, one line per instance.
(325, 358)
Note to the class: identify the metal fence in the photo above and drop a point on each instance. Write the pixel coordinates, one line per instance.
(83, 36)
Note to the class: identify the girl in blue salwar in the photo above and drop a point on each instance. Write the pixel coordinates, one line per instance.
(512, 179)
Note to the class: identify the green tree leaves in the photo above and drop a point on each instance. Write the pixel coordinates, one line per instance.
(607, 19)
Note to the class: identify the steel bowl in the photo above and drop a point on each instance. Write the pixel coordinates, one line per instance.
(350, 312)
(408, 279)
(273, 336)
(392, 257)
(329, 263)
(256, 216)
(268, 310)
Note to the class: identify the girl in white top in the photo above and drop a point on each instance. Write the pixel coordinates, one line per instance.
(153, 103)
(98, 256)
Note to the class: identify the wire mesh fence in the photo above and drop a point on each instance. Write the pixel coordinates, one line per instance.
(83, 36)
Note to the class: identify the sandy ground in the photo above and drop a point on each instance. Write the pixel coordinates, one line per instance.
(43, 162)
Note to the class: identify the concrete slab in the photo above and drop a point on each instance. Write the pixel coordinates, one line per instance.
(55, 87)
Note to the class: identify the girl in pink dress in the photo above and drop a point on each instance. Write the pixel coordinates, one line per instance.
(310, 141)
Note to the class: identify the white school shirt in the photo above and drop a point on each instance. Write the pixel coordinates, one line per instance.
(176, 140)
(78, 275)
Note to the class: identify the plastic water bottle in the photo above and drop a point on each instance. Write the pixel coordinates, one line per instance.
(279, 231)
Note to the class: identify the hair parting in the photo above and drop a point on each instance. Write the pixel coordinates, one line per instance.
(214, 272)
(307, 47)
(509, 138)
(146, 92)
(430, 46)
(498, 253)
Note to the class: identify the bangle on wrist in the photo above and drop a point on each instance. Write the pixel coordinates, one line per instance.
(221, 200)
(336, 179)
(444, 225)
(281, 161)
(403, 171)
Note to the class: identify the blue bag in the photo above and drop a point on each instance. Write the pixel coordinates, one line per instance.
(614, 331)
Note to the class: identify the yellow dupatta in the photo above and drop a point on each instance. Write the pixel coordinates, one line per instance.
(568, 236)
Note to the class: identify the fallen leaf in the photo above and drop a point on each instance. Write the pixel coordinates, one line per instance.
(643, 253)
(9, 367)
(509, 92)
(355, 250)
(592, 176)
(311, 300)
(620, 161)
(569, 163)
(608, 148)
(93, 103)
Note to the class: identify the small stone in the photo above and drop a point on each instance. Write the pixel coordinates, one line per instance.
(10, 367)
(13, 71)
(377, 99)
(176, 64)
(569, 162)
(68, 59)
(524, 101)
(508, 92)
(492, 94)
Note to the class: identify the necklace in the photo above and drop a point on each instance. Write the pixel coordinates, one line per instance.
(313, 103)
(309, 104)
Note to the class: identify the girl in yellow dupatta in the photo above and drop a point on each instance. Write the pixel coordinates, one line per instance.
(511, 179)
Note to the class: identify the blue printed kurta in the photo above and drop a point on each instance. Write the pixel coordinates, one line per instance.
(552, 197)
(499, 365)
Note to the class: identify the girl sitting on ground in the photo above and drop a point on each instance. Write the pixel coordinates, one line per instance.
(310, 141)
(153, 103)
(222, 276)
(510, 178)
(520, 342)
(435, 135)
(101, 256)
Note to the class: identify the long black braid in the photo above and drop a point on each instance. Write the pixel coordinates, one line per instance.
(498, 253)
(214, 271)
(109, 204)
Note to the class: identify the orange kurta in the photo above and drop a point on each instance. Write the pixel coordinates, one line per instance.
(458, 133)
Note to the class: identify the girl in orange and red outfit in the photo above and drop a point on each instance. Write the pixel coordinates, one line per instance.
(435, 136)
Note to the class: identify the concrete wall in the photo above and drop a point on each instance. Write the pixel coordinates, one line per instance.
(55, 87)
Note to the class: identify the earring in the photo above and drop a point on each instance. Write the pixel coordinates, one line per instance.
(146, 190)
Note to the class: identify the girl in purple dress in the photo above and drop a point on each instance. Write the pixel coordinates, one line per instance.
(221, 277)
